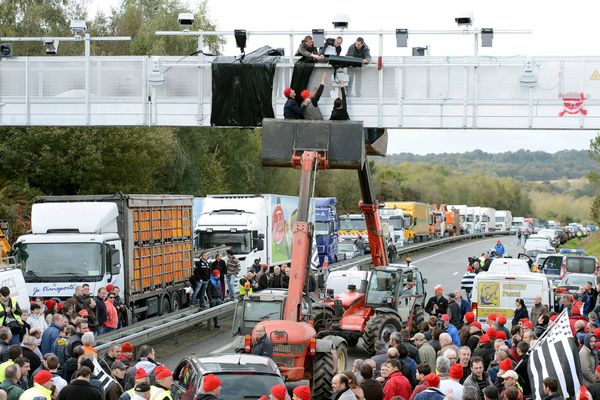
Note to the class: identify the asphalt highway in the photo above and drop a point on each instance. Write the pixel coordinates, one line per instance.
(444, 266)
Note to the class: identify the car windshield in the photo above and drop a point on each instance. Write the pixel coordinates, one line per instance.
(254, 312)
(396, 222)
(346, 247)
(322, 228)
(246, 385)
(353, 224)
(576, 280)
(52, 260)
(381, 285)
(240, 242)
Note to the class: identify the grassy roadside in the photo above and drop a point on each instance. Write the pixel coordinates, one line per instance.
(590, 244)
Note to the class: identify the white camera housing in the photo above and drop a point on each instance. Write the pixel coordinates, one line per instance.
(185, 19)
(341, 22)
(464, 19)
(78, 27)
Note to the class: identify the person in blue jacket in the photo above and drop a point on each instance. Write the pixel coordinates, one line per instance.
(451, 330)
(499, 249)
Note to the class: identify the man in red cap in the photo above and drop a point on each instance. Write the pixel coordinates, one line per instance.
(312, 111)
(126, 353)
(161, 390)
(475, 333)
(437, 304)
(432, 392)
(301, 393)
(463, 333)
(211, 386)
(291, 109)
(140, 376)
(452, 386)
(500, 324)
(278, 392)
(485, 350)
(42, 384)
(397, 384)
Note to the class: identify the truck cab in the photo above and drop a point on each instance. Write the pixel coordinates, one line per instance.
(71, 244)
(326, 229)
(352, 225)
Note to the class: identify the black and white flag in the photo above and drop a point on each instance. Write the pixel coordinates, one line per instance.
(100, 374)
(555, 354)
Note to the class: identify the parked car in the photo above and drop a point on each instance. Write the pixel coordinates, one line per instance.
(561, 264)
(347, 250)
(571, 283)
(243, 376)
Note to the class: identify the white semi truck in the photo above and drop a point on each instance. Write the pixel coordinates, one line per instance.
(503, 220)
(140, 243)
(255, 226)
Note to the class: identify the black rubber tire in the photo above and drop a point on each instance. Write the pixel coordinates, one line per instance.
(175, 302)
(352, 342)
(373, 329)
(165, 306)
(322, 375)
(320, 318)
(418, 318)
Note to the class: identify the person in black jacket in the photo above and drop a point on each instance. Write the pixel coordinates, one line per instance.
(262, 346)
(201, 276)
(80, 388)
(291, 109)
(520, 312)
(372, 389)
(340, 107)
(262, 278)
(332, 45)
(101, 309)
(454, 311)
(437, 305)
(275, 282)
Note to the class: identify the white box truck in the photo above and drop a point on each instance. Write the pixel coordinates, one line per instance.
(255, 226)
(488, 219)
(140, 243)
(496, 291)
(503, 220)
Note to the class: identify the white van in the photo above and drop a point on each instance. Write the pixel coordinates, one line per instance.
(497, 292)
(12, 278)
(340, 280)
(504, 265)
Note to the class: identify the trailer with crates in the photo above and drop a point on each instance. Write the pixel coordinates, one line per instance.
(141, 243)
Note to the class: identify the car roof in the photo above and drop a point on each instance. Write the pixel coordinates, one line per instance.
(235, 362)
(398, 267)
(269, 294)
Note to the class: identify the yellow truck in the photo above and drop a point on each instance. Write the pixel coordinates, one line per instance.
(416, 219)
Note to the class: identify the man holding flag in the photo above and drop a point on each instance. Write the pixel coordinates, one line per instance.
(555, 354)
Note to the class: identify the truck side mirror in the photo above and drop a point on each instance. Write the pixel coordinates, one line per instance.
(260, 243)
(115, 262)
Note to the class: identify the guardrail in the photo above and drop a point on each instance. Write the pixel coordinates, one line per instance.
(159, 327)
(362, 260)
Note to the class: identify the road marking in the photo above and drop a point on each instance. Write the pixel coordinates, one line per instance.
(456, 273)
(221, 349)
(443, 252)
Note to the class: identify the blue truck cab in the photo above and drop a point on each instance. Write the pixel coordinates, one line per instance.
(326, 229)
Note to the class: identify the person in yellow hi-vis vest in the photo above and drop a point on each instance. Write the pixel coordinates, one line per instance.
(42, 387)
(245, 286)
(161, 390)
(10, 314)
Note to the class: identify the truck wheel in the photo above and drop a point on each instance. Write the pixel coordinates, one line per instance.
(322, 376)
(175, 301)
(418, 318)
(165, 306)
(320, 320)
(378, 328)
(342, 357)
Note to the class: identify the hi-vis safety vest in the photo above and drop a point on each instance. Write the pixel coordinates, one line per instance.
(13, 302)
(157, 393)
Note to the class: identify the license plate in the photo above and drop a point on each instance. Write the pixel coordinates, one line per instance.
(282, 348)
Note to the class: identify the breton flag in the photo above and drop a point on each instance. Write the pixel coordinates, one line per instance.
(555, 354)
(100, 374)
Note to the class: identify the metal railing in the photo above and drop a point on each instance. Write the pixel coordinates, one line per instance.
(159, 327)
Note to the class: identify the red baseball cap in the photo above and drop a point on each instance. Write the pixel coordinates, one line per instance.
(484, 339)
(505, 365)
(84, 313)
(501, 319)
(492, 317)
(491, 332)
(500, 335)
(445, 317)
(305, 94)
(287, 91)
(476, 324)
(42, 377)
(527, 324)
(303, 392)
(140, 373)
(456, 371)
(216, 273)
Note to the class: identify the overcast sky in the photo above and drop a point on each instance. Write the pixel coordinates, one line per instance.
(559, 28)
